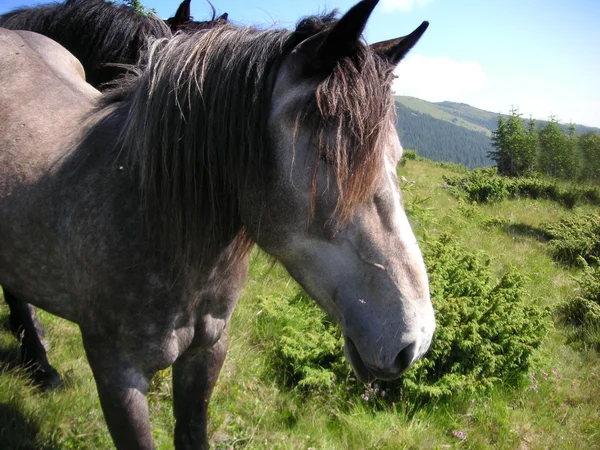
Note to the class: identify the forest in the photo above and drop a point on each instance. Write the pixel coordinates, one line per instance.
(521, 148)
(459, 133)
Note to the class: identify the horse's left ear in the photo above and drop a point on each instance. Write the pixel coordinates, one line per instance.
(181, 16)
(396, 49)
(342, 39)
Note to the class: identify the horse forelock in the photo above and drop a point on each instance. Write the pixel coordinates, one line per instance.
(353, 107)
(196, 133)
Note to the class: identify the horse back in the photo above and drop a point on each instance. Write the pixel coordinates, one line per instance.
(43, 98)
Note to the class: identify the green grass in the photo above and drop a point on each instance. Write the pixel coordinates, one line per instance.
(251, 410)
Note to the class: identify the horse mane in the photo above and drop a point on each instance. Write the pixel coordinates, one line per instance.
(182, 21)
(195, 137)
(95, 31)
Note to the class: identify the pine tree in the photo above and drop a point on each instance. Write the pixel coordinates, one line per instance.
(514, 150)
(558, 151)
(499, 143)
(589, 146)
(530, 149)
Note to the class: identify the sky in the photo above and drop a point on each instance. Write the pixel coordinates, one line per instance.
(541, 57)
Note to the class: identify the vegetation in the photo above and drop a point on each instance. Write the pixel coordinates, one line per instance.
(515, 149)
(589, 145)
(459, 133)
(501, 372)
(575, 239)
(521, 150)
(486, 333)
(138, 7)
(484, 185)
(581, 314)
(442, 140)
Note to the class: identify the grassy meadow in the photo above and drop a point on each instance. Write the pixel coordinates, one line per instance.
(554, 404)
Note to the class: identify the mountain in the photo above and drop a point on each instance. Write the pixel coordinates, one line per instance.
(448, 131)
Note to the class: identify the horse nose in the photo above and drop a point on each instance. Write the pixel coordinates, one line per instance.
(399, 364)
(405, 357)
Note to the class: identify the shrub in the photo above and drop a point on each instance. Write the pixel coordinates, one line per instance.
(582, 313)
(575, 238)
(408, 155)
(484, 185)
(481, 185)
(486, 332)
(302, 345)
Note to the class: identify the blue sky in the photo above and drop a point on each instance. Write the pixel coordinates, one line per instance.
(540, 56)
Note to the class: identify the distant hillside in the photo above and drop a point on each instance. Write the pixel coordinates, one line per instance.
(448, 131)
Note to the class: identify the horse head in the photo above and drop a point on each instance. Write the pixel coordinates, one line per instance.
(333, 213)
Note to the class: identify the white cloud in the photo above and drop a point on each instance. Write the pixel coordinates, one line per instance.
(403, 5)
(444, 79)
(438, 79)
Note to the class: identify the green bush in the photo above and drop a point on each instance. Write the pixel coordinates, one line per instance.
(481, 185)
(303, 347)
(408, 155)
(582, 313)
(484, 185)
(574, 238)
(486, 332)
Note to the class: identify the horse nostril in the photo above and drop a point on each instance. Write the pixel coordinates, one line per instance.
(405, 357)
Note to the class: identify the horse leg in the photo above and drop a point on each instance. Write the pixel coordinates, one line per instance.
(122, 387)
(194, 377)
(26, 327)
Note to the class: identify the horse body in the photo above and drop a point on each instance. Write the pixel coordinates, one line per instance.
(132, 213)
(74, 242)
(104, 36)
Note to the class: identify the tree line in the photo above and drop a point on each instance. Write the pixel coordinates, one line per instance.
(521, 149)
(439, 140)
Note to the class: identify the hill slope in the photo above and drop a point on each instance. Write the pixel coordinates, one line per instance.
(448, 131)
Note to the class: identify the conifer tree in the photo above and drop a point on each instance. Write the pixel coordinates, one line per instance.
(558, 152)
(514, 149)
(530, 149)
(589, 146)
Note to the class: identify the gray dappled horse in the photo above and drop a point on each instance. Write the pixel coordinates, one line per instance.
(131, 213)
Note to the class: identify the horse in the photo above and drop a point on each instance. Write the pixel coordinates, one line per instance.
(104, 36)
(132, 212)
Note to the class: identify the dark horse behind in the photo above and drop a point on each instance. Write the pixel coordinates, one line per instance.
(131, 213)
(103, 35)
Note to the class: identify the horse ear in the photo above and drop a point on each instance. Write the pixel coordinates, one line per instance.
(396, 49)
(322, 50)
(343, 38)
(181, 16)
